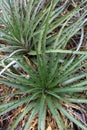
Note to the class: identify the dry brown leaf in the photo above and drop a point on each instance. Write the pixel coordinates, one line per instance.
(49, 128)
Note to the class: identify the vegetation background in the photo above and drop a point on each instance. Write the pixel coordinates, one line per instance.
(43, 65)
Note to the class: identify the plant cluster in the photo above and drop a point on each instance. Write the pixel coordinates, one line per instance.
(50, 77)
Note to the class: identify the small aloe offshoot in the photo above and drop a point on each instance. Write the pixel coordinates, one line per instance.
(24, 23)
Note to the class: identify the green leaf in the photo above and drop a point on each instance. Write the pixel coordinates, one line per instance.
(32, 115)
(74, 78)
(42, 113)
(18, 103)
(26, 110)
(55, 113)
(77, 100)
(70, 89)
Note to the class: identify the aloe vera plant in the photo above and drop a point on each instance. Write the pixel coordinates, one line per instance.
(53, 81)
(54, 84)
(24, 22)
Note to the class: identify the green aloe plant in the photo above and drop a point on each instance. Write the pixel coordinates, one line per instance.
(53, 84)
(24, 23)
